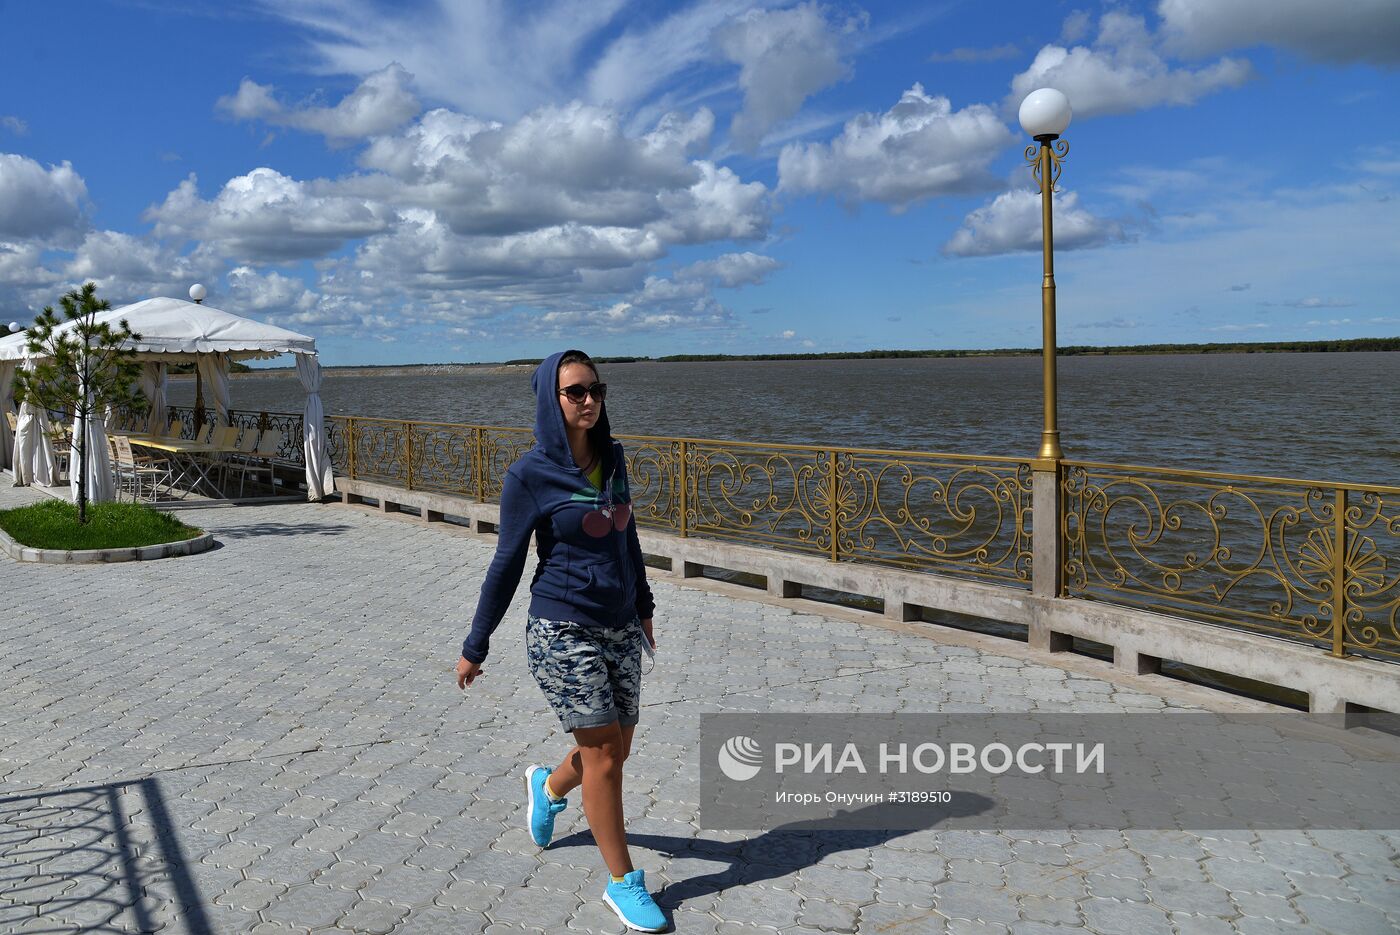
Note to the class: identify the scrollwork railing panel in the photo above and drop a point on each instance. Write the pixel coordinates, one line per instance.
(1312, 562)
(379, 450)
(969, 517)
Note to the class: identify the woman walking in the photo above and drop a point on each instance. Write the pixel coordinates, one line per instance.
(590, 612)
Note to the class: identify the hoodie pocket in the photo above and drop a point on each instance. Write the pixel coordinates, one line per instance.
(605, 586)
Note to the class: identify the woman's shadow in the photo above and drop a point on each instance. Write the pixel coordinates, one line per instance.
(790, 847)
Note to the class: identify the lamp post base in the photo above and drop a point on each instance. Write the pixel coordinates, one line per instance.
(1050, 452)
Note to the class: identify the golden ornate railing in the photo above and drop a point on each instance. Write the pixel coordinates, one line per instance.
(952, 513)
(1309, 561)
(1306, 560)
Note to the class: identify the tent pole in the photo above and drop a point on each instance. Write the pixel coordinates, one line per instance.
(198, 402)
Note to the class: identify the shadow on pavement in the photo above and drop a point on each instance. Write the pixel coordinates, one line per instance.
(787, 848)
(258, 530)
(74, 860)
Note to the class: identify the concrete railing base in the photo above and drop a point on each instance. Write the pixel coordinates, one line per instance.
(1140, 640)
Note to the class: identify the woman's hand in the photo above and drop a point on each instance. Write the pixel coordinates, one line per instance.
(466, 672)
(646, 629)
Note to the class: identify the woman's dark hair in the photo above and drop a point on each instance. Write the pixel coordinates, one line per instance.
(578, 357)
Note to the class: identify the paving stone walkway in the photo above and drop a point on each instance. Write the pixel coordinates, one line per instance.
(266, 739)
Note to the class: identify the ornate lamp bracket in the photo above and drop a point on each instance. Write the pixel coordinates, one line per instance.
(1054, 149)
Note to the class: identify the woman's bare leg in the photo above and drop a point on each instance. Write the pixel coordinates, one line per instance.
(596, 763)
(568, 775)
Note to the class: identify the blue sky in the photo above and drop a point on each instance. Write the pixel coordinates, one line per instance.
(453, 181)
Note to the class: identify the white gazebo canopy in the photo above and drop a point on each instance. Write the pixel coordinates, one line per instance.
(177, 331)
(174, 330)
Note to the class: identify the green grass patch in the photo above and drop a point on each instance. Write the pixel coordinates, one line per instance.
(53, 524)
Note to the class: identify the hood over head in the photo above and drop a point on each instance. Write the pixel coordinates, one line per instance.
(550, 435)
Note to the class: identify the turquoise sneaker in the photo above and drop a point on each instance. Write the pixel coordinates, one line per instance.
(634, 905)
(539, 809)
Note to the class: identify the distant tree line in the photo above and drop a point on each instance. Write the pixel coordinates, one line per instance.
(1074, 350)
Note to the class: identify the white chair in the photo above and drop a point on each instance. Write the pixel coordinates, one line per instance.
(128, 465)
(259, 459)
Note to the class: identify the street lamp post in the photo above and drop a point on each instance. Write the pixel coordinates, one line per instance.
(197, 294)
(1044, 116)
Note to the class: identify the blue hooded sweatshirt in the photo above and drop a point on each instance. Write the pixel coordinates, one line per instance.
(590, 563)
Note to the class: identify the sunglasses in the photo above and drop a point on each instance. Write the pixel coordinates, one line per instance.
(577, 393)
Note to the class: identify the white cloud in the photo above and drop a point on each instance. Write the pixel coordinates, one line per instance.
(1358, 31)
(719, 206)
(641, 60)
(1287, 242)
(1314, 302)
(731, 269)
(1076, 26)
(918, 149)
(257, 292)
(1124, 71)
(266, 216)
(129, 268)
(553, 166)
(1250, 326)
(38, 203)
(1012, 223)
(381, 103)
(484, 57)
(21, 266)
(1117, 322)
(784, 56)
(14, 125)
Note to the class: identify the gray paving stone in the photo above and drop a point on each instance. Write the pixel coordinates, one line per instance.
(757, 905)
(250, 895)
(470, 894)
(1189, 896)
(528, 905)
(382, 765)
(373, 917)
(1049, 909)
(827, 915)
(887, 917)
(1199, 925)
(311, 906)
(348, 875)
(1115, 917)
(1250, 877)
(1342, 917)
(974, 902)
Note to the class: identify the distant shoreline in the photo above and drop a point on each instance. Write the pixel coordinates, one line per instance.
(1282, 347)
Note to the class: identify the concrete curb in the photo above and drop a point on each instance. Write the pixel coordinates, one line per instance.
(24, 553)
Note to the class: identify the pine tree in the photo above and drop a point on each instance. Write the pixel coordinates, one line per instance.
(84, 366)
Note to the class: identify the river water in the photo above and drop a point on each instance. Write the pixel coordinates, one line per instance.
(1328, 417)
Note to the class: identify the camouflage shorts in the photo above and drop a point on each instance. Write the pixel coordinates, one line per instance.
(591, 676)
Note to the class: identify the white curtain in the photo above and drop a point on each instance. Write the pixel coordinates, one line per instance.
(213, 370)
(33, 450)
(100, 487)
(320, 476)
(153, 385)
(7, 406)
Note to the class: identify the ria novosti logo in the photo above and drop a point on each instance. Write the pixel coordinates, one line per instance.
(740, 758)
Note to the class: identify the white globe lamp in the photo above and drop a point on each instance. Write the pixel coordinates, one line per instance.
(14, 326)
(198, 292)
(1045, 113)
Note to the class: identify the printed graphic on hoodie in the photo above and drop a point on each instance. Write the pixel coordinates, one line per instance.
(609, 516)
